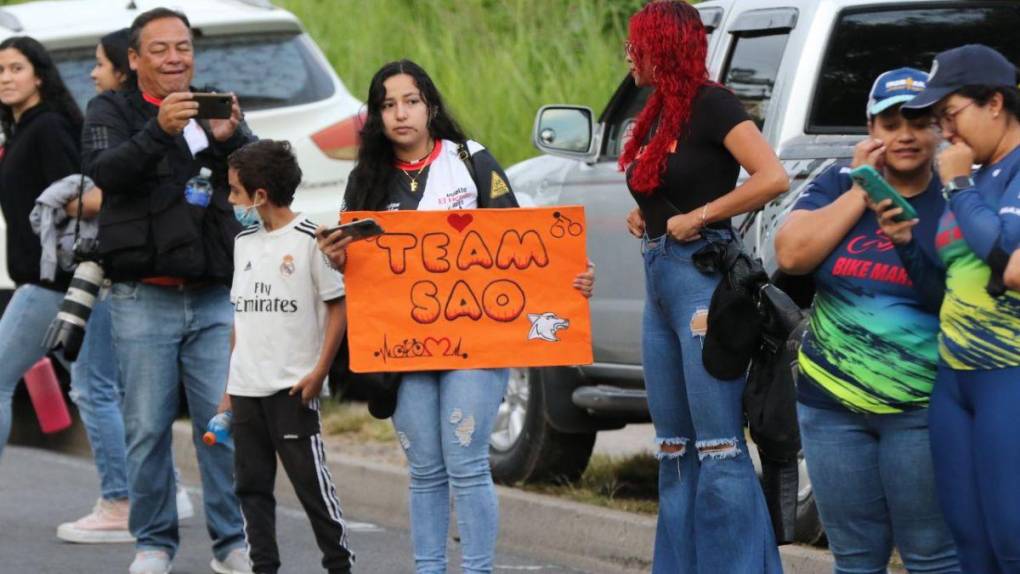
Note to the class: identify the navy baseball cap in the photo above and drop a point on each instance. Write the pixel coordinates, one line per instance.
(970, 65)
(895, 87)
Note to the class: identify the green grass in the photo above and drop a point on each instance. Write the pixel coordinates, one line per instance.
(353, 419)
(622, 483)
(495, 61)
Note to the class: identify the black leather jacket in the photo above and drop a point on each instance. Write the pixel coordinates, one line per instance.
(146, 228)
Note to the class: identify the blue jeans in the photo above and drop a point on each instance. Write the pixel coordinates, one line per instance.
(973, 417)
(443, 420)
(96, 389)
(712, 513)
(874, 485)
(22, 328)
(164, 337)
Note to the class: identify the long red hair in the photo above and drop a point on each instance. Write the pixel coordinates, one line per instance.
(668, 43)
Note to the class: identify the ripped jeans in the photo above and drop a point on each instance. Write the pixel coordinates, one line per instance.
(443, 420)
(712, 513)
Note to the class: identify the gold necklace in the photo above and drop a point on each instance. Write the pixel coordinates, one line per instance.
(414, 180)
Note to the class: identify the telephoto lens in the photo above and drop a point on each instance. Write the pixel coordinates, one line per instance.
(68, 328)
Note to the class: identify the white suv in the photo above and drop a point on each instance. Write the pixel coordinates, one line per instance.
(285, 85)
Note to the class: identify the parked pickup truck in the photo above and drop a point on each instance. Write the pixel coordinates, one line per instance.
(803, 68)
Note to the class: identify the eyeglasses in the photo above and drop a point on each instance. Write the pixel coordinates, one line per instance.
(947, 119)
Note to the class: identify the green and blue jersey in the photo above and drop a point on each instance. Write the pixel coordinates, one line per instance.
(872, 344)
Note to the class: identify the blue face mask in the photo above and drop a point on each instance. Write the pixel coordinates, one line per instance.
(247, 215)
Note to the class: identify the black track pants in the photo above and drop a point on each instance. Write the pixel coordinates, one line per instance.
(279, 425)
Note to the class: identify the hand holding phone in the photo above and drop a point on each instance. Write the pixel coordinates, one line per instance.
(878, 189)
(214, 106)
(358, 229)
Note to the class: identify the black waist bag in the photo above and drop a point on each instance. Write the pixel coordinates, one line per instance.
(734, 324)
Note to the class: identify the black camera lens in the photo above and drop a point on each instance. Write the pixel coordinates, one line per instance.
(68, 328)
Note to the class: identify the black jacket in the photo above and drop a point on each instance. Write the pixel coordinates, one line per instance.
(146, 228)
(42, 149)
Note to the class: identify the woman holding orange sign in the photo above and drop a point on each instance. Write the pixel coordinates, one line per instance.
(414, 156)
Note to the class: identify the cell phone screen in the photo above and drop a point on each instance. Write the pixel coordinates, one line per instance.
(214, 106)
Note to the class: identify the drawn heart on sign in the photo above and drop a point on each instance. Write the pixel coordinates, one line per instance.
(437, 347)
(459, 221)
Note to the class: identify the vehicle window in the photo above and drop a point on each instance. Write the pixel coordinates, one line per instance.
(265, 70)
(711, 18)
(867, 43)
(752, 70)
(621, 123)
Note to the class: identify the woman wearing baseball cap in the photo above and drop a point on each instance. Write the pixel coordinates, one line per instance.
(975, 405)
(868, 358)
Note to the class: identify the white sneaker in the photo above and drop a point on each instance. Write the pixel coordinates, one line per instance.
(236, 562)
(150, 562)
(107, 523)
(185, 509)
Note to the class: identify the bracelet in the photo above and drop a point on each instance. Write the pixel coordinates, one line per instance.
(704, 216)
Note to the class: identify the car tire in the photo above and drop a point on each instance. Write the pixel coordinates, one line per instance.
(524, 447)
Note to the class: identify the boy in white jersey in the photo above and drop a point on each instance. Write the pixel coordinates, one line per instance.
(289, 319)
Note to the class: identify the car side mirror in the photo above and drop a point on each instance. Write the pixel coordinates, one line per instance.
(565, 131)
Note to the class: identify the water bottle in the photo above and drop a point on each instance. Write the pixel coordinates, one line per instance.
(47, 398)
(218, 430)
(198, 190)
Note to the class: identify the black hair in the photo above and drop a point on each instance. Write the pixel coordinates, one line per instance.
(115, 46)
(371, 175)
(52, 90)
(143, 19)
(269, 165)
(984, 94)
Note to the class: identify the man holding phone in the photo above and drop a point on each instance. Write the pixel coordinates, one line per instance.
(171, 262)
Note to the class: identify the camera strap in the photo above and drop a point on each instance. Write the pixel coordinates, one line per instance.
(77, 216)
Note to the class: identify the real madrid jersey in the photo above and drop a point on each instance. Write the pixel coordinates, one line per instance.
(281, 285)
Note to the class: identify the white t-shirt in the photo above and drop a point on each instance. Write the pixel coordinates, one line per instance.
(281, 283)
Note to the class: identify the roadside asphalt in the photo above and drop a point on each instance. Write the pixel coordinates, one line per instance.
(587, 538)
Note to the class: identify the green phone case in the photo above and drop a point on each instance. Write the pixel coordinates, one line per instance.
(878, 189)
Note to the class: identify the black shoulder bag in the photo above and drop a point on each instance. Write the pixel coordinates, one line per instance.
(753, 329)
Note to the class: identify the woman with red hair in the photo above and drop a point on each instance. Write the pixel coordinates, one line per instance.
(682, 162)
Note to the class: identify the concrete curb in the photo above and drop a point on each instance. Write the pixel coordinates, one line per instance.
(589, 538)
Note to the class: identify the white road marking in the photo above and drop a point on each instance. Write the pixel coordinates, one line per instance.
(299, 514)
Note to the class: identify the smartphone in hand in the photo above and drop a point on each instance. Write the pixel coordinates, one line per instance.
(214, 106)
(359, 229)
(878, 189)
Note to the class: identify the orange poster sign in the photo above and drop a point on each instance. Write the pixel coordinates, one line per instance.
(468, 289)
